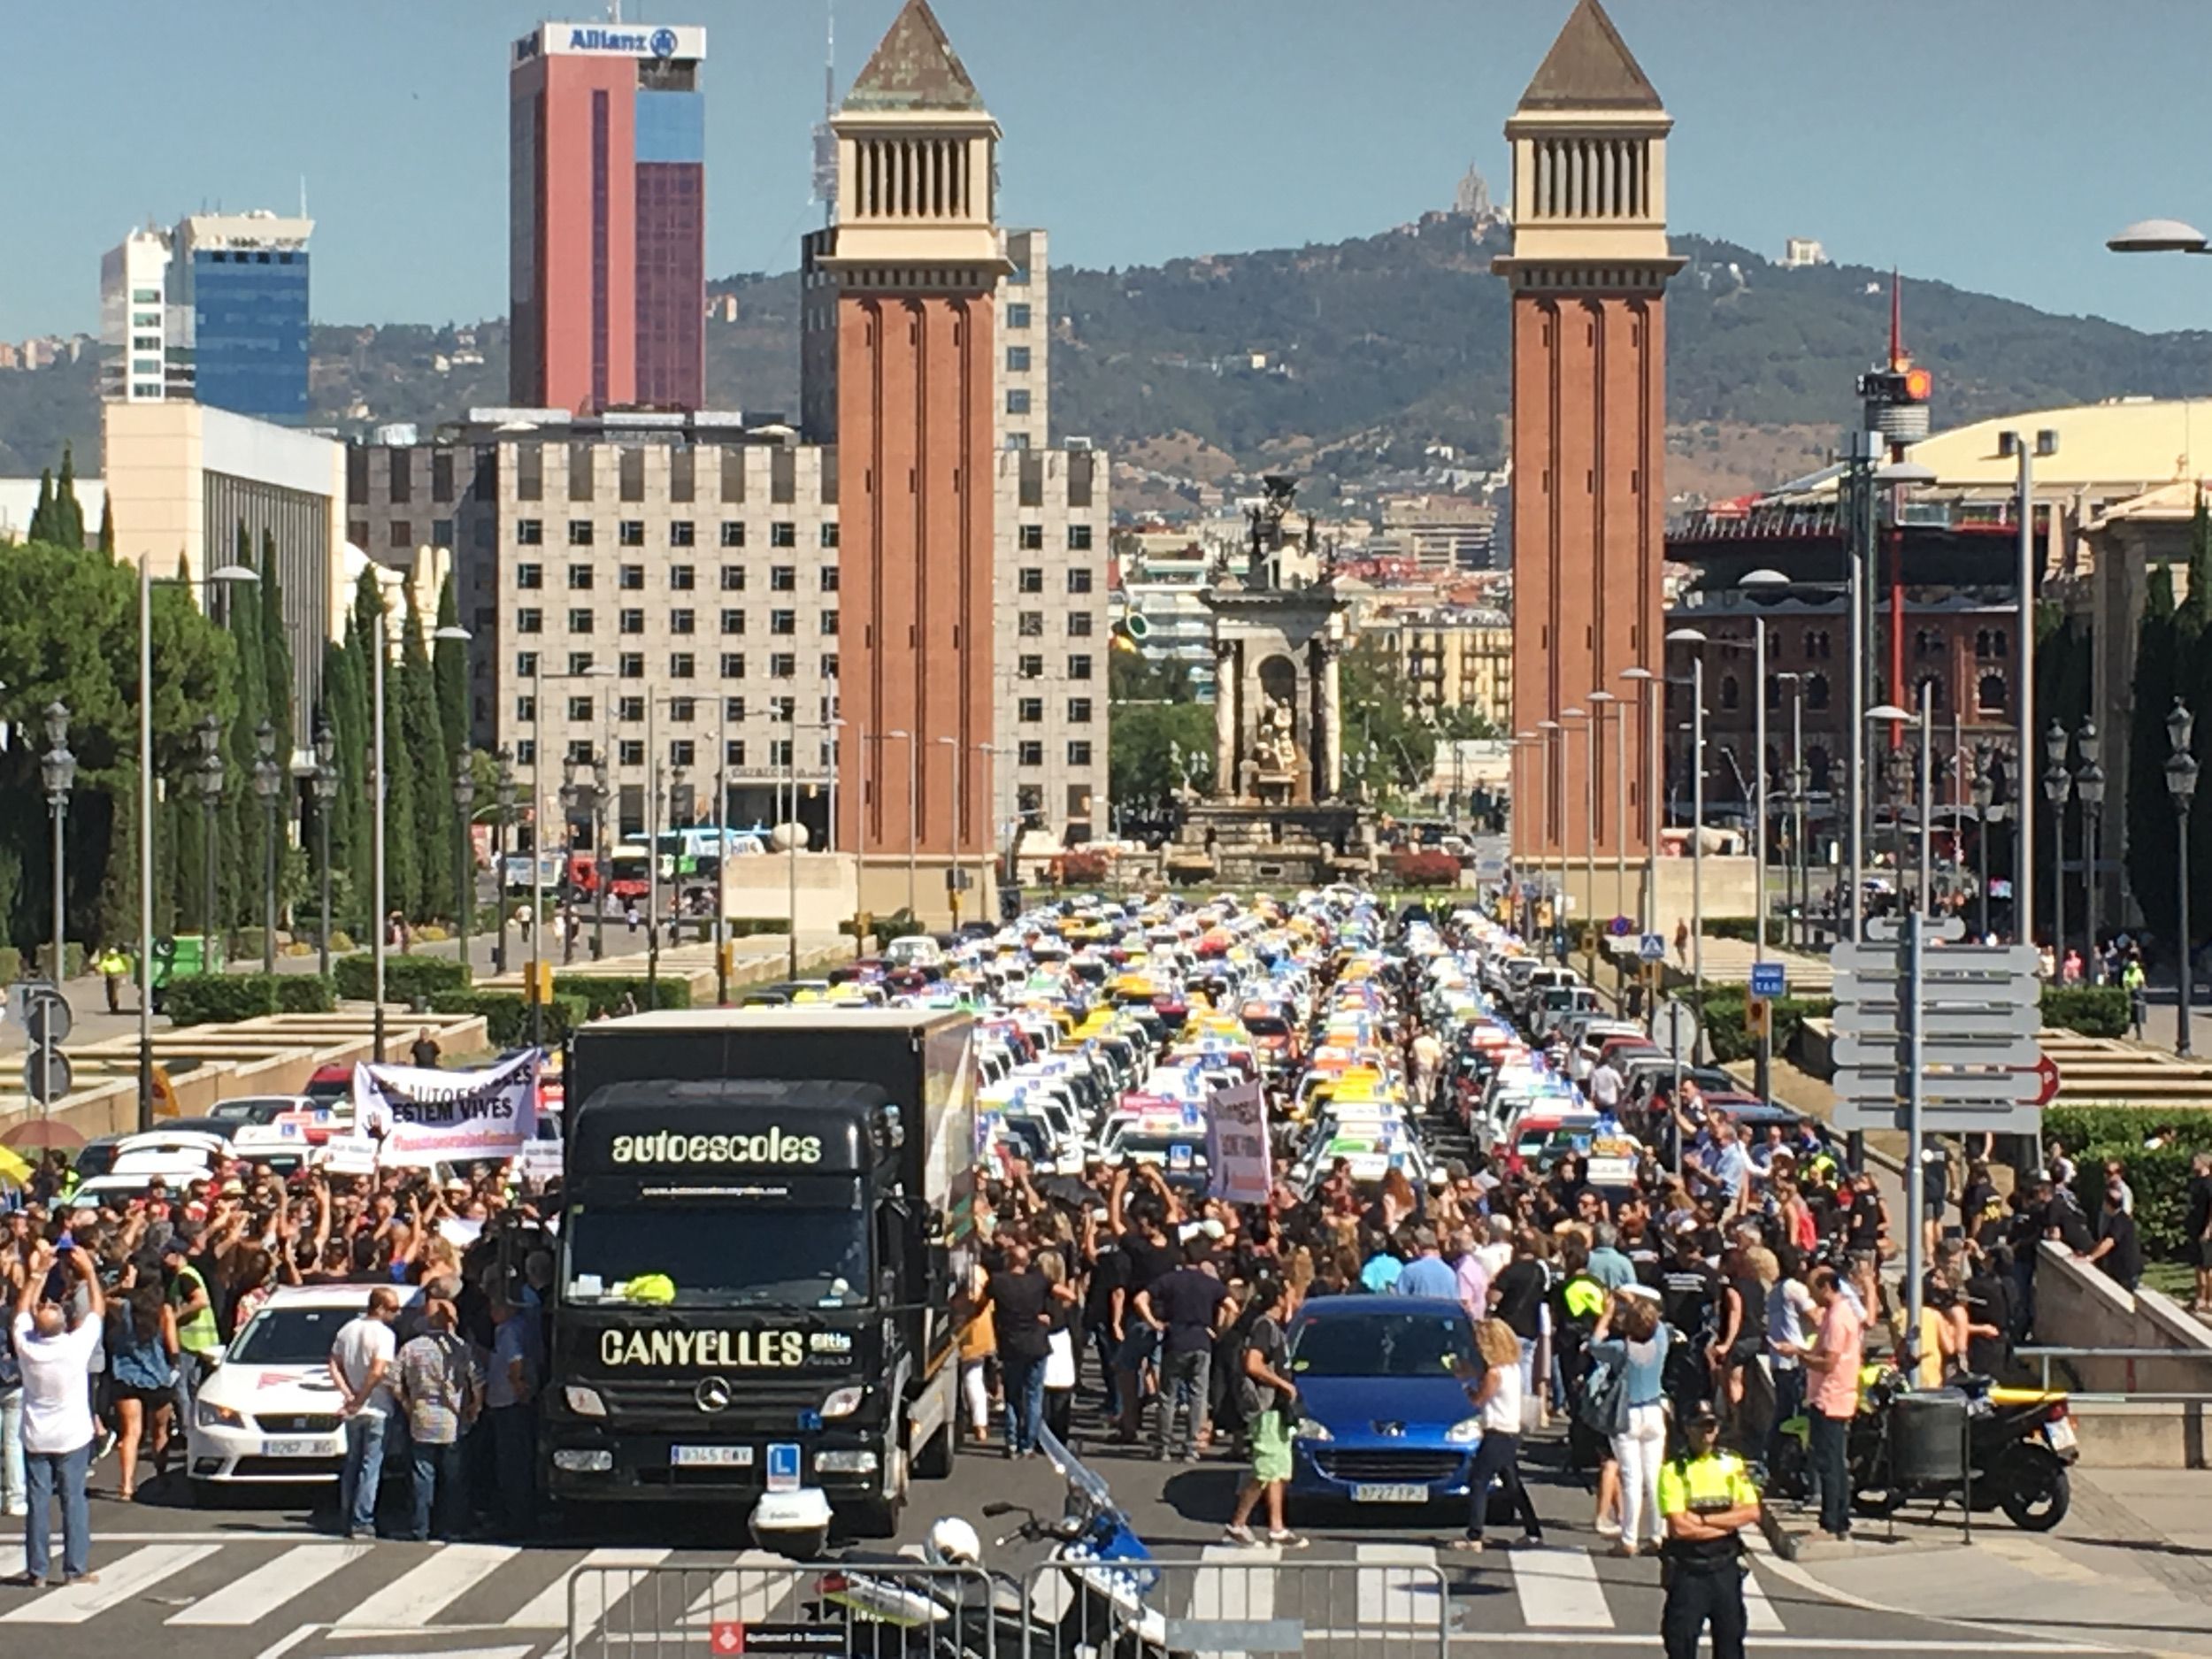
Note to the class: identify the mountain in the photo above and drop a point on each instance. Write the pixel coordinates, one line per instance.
(1338, 359)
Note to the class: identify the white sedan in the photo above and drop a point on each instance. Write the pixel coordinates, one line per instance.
(269, 1411)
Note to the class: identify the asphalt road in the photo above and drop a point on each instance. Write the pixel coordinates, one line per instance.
(262, 1577)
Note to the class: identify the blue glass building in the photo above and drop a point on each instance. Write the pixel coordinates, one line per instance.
(248, 310)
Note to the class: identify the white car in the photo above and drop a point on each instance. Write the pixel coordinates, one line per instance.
(269, 1411)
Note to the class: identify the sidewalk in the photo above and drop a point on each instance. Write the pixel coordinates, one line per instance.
(2131, 1565)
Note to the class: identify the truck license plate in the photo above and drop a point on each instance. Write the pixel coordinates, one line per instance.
(294, 1448)
(710, 1456)
(1395, 1493)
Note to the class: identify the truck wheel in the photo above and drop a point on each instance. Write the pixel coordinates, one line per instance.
(878, 1516)
(934, 1461)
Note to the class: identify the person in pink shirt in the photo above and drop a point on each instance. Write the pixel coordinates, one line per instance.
(1833, 1360)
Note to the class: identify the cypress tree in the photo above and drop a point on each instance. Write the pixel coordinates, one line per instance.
(42, 515)
(425, 743)
(245, 835)
(107, 527)
(2153, 844)
(276, 649)
(401, 866)
(68, 529)
(450, 657)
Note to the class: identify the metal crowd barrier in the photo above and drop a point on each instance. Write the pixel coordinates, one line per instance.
(1332, 1608)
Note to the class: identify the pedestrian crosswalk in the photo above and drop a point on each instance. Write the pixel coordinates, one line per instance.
(194, 1584)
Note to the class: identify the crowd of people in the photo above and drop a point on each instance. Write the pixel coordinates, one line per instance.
(117, 1315)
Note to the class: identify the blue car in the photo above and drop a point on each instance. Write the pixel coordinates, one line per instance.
(1381, 1418)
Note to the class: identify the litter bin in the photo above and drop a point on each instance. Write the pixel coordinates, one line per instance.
(1930, 1449)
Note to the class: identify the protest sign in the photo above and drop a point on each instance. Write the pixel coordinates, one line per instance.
(1236, 1144)
(429, 1115)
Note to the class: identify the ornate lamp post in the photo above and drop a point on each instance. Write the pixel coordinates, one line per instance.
(268, 783)
(570, 794)
(464, 862)
(599, 787)
(60, 770)
(326, 797)
(2089, 789)
(2181, 784)
(210, 735)
(1982, 790)
(2058, 787)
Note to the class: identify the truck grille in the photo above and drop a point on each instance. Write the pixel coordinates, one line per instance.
(664, 1397)
(1385, 1466)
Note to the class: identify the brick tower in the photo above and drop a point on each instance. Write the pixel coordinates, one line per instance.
(1589, 270)
(896, 359)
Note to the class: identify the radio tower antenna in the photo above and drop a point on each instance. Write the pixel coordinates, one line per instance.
(825, 138)
(1897, 358)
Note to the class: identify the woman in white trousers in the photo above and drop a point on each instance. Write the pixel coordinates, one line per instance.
(1637, 1354)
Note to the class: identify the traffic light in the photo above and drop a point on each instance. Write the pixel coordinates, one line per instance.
(1759, 1017)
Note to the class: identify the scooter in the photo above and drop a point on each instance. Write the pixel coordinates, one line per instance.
(2020, 1443)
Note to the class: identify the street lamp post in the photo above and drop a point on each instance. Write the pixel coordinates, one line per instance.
(604, 877)
(464, 864)
(652, 855)
(380, 786)
(2181, 784)
(1589, 820)
(1696, 637)
(1896, 768)
(792, 832)
(571, 797)
(504, 796)
(912, 823)
(268, 783)
(2017, 445)
(2058, 786)
(1649, 686)
(221, 574)
(210, 735)
(1557, 897)
(325, 776)
(60, 770)
(952, 878)
(1604, 701)
(1982, 790)
(2089, 789)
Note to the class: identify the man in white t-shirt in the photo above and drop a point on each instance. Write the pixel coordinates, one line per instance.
(55, 1351)
(1605, 1088)
(360, 1363)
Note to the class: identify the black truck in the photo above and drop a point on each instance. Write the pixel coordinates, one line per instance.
(766, 1212)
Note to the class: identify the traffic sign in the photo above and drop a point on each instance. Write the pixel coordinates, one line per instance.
(46, 1076)
(1769, 979)
(1620, 927)
(1674, 1027)
(1652, 947)
(1861, 1049)
(47, 1020)
(2047, 1080)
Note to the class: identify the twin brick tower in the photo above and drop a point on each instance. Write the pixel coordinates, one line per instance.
(1588, 270)
(898, 347)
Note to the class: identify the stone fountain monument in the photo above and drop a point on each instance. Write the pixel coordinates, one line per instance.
(1276, 815)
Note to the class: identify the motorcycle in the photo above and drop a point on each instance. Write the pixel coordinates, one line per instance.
(1092, 1607)
(2020, 1444)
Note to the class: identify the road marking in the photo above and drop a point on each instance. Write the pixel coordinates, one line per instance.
(415, 1599)
(119, 1580)
(521, 1650)
(549, 1608)
(283, 1645)
(248, 1600)
(1559, 1589)
(1237, 1584)
(1388, 1594)
(1827, 1644)
(1759, 1614)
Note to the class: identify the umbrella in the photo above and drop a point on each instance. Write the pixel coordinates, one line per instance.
(39, 1134)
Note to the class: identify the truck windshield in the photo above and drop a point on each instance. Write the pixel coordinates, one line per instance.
(722, 1257)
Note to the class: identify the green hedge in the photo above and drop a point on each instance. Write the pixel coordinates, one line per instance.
(2094, 1010)
(1727, 1025)
(507, 1017)
(597, 992)
(2159, 1178)
(209, 999)
(405, 977)
(1744, 928)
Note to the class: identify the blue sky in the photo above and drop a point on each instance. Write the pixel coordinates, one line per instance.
(1993, 143)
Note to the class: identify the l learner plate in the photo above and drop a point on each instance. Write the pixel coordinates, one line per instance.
(710, 1456)
(1390, 1495)
(295, 1449)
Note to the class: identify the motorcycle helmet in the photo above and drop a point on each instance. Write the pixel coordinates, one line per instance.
(952, 1542)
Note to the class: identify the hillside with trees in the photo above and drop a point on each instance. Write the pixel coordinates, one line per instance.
(1335, 358)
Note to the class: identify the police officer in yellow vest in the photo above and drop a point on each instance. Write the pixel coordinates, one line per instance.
(1707, 1498)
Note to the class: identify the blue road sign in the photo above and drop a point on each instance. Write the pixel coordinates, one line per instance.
(1652, 947)
(1620, 927)
(1768, 979)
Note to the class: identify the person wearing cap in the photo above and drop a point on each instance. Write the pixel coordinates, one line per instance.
(1707, 1498)
(192, 1299)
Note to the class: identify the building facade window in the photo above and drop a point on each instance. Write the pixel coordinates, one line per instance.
(1031, 537)
(1030, 579)
(579, 532)
(529, 578)
(631, 533)
(1079, 538)
(733, 664)
(732, 579)
(579, 579)
(630, 579)
(682, 533)
(732, 620)
(529, 532)
(782, 533)
(732, 532)
(1031, 752)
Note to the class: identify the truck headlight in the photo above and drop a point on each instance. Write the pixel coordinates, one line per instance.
(845, 1462)
(1466, 1431)
(1309, 1430)
(842, 1402)
(208, 1415)
(583, 1463)
(585, 1403)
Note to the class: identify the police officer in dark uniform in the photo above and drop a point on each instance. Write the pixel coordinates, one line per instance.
(1707, 1498)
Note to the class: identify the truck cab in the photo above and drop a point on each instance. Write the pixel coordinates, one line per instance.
(766, 1212)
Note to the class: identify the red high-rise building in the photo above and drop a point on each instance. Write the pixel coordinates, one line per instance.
(607, 217)
(898, 349)
(1588, 269)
